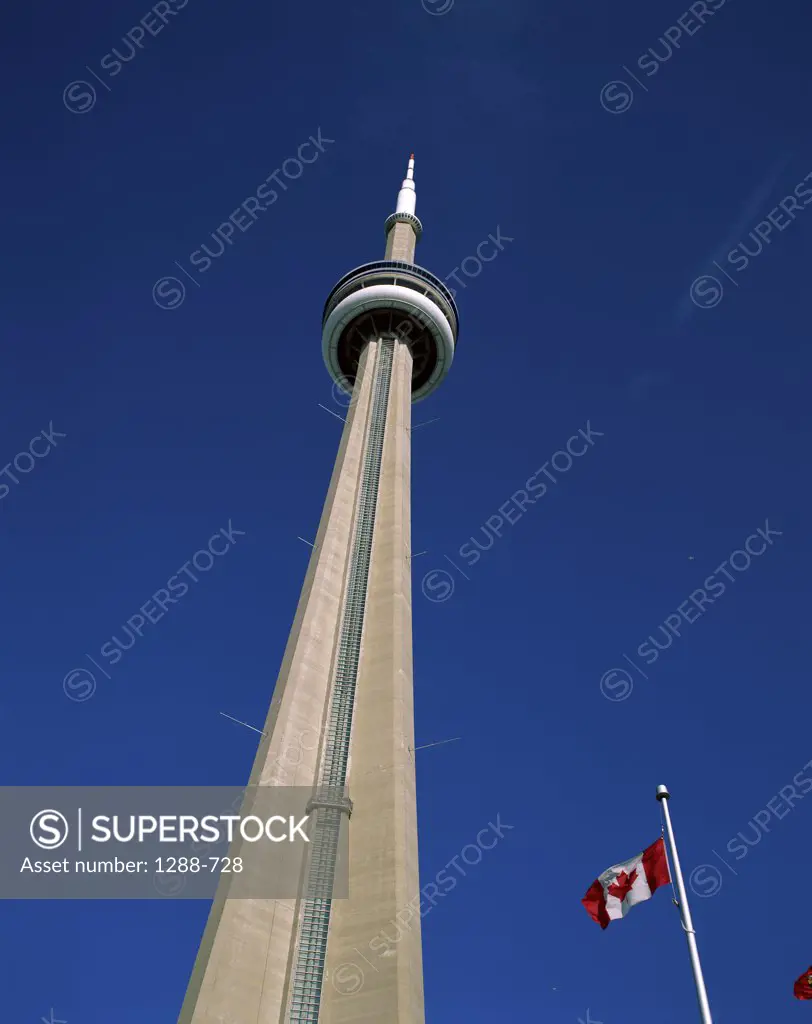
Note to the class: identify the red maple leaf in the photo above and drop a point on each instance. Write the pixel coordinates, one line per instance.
(622, 885)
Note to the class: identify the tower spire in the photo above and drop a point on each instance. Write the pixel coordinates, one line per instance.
(403, 229)
(407, 197)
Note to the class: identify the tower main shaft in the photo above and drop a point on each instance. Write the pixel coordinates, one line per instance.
(344, 697)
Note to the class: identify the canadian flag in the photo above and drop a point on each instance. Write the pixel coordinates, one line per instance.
(621, 887)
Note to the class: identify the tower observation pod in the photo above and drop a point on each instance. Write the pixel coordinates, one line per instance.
(393, 298)
(341, 721)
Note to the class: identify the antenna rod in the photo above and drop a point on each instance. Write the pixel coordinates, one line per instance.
(247, 726)
(439, 743)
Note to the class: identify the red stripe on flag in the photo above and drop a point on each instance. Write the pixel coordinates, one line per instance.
(803, 986)
(655, 865)
(595, 903)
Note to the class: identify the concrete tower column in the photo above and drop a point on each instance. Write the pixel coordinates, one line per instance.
(242, 971)
(370, 978)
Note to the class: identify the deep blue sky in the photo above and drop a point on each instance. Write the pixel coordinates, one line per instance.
(179, 420)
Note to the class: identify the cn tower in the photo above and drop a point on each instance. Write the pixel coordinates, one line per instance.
(389, 332)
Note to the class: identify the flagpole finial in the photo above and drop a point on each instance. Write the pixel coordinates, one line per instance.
(662, 793)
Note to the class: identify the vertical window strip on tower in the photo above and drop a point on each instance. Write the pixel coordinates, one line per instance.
(308, 975)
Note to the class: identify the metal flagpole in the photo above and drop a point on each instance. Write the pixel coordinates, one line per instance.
(685, 912)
